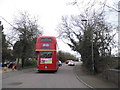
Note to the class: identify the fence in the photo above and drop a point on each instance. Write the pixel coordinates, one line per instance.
(114, 76)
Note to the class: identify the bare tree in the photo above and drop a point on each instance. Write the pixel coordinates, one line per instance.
(27, 25)
(27, 30)
(88, 32)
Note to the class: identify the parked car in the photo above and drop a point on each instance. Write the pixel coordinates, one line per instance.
(59, 63)
(3, 64)
(71, 63)
(11, 64)
(68, 61)
(0, 64)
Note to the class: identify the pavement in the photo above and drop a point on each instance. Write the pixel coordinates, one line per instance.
(92, 81)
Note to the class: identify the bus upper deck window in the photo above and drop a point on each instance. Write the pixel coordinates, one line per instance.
(46, 40)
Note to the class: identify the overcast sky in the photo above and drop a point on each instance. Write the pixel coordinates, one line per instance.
(48, 12)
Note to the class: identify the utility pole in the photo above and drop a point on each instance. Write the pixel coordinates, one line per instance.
(119, 29)
(93, 66)
(118, 40)
(1, 28)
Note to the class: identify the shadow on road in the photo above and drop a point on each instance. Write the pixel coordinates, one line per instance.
(45, 72)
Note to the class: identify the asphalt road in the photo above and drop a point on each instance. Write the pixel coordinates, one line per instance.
(29, 78)
(0, 78)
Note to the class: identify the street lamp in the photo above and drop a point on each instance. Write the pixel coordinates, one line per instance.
(84, 20)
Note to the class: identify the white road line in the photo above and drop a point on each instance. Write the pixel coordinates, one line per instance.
(82, 80)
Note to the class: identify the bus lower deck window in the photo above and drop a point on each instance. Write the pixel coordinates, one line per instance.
(46, 55)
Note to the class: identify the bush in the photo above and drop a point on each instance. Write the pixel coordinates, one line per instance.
(30, 62)
(107, 62)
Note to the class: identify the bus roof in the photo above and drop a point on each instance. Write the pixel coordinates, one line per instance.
(52, 37)
(46, 37)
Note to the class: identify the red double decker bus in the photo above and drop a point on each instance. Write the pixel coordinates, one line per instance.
(46, 48)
